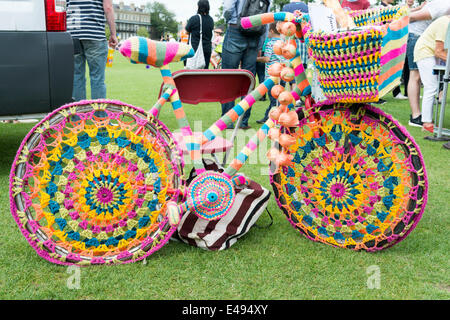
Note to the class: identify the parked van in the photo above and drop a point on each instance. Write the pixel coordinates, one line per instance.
(36, 58)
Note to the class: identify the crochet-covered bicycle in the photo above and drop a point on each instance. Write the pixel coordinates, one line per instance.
(100, 182)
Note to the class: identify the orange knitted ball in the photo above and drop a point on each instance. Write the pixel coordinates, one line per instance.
(274, 114)
(288, 29)
(287, 74)
(289, 51)
(276, 90)
(275, 69)
(285, 98)
(278, 47)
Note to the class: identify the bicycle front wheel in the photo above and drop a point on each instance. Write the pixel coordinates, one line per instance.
(357, 179)
(90, 183)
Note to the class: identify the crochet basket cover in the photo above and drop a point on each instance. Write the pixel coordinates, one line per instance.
(363, 64)
(90, 182)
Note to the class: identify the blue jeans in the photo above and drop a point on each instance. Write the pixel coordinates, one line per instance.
(95, 53)
(273, 102)
(412, 39)
(239, 50)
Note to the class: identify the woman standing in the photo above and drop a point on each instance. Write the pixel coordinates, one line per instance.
(193, 27)
(430, 47)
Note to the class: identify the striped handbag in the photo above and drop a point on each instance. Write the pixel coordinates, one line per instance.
(365, 63)
(250, 203)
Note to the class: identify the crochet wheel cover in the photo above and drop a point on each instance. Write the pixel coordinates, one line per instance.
(210, 195)
(357, 178)
(90, 182)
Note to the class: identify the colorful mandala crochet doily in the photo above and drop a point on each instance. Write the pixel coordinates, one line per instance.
(90, 182)
(210, 195)
(357, 179)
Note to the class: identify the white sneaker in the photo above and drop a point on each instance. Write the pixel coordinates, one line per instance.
(400, 96)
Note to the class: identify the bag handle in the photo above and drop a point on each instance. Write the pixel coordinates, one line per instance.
(269, 225)
(201, 27)
(201, 30)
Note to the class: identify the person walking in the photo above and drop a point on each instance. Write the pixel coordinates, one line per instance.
(240, 49)
(86, 24)
(183, 35)
(193, 27)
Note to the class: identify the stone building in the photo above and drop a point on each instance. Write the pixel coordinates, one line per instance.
(129, 18)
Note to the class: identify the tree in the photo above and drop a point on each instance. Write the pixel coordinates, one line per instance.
(142, 32)
(278, 4)
(220, 20)
(163, 21)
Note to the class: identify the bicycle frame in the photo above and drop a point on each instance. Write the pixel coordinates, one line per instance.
(193, 145)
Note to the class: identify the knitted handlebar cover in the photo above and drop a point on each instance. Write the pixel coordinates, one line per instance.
(155, 53)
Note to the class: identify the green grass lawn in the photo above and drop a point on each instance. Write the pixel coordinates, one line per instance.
(271, 263)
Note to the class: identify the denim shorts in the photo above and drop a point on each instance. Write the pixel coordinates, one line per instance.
(412, 39)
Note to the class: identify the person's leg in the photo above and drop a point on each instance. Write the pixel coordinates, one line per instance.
(414, 93)
(405, 75)
(232, 51)
(96, 54)
(214, 59)
(79, 77)
(396, 91)
(249, 63)
(430, 88)
(273, 103)
(207, 55)
(413, 83)
(261, 72)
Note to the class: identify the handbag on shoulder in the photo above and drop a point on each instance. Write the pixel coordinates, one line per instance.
(198, 60)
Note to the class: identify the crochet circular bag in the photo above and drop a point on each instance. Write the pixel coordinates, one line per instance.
(357, 179)
(90, 183)
(210, 195)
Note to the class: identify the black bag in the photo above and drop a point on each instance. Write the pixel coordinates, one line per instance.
(251, 8)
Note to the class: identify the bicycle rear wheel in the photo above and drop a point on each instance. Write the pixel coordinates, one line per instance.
(90, 183)
(357, 179)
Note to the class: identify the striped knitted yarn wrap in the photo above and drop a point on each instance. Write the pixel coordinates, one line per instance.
(357, 178)
(267, 18)
(155, 53)
(362, 64)
(90, 182)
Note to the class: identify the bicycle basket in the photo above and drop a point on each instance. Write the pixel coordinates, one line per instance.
(365, 63)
